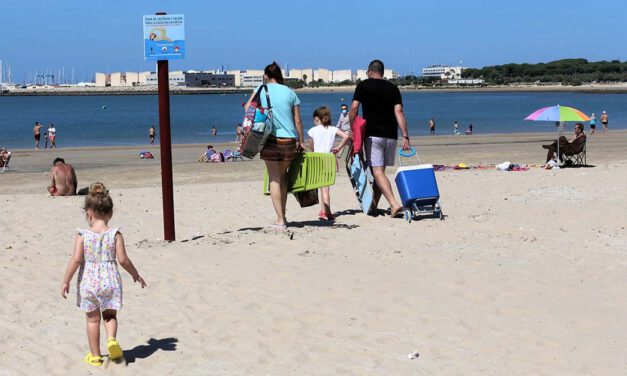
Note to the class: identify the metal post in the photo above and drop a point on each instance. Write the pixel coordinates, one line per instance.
(166, 150)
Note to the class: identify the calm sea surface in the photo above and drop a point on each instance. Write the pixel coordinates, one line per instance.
(124, 120)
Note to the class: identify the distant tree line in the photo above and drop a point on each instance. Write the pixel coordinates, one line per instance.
(567, 71)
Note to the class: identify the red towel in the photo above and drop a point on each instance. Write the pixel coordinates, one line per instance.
(358, 130)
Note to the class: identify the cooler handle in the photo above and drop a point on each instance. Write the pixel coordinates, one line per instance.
(407, 154)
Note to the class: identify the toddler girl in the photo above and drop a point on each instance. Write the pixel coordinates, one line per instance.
(99, 287)
(322, 140)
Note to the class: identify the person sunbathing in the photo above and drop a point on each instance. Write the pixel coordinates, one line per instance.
(63, 180)
(206, 156)
(567, 147)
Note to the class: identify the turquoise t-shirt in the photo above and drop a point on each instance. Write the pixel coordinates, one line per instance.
(283, 100)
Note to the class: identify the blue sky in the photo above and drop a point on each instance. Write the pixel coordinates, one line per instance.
(98, 35)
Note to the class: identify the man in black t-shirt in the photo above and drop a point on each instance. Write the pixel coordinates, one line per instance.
(383, 112)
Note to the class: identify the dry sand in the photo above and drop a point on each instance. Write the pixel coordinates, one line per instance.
(524, 277)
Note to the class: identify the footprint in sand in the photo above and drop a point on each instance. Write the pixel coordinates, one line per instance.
(118, 363)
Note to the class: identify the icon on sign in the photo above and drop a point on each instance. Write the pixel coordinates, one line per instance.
(164, 48)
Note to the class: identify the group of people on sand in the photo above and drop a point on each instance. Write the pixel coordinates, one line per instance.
(50, 135)
(382, 107)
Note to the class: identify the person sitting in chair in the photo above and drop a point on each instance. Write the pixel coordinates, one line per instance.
(567, 147)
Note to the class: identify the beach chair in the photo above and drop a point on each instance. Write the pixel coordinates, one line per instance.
(575, 156)
(5, 163)
(237, 155)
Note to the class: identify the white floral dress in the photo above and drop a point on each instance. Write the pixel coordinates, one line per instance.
(99, 281)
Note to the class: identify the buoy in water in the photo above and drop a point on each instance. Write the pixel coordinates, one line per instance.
(103, 107)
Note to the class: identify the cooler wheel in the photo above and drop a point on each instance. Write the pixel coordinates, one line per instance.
(408, 215)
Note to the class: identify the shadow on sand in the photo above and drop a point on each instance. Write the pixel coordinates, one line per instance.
(154, 345)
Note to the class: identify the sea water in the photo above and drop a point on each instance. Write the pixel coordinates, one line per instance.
(125, 120)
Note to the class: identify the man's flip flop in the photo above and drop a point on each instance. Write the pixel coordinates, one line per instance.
(115, 351)
(95, 361)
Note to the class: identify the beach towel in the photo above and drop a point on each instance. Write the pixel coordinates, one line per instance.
(358, 130)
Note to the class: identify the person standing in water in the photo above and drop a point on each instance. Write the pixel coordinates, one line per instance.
(604, 121)
(37, 134)
(151, 134)
(52, 136)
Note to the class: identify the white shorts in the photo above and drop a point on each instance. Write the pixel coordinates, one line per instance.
(380, 151)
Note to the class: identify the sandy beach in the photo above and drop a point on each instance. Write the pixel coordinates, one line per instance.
(524, 277)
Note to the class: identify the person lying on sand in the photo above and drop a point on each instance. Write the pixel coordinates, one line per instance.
(63, 180)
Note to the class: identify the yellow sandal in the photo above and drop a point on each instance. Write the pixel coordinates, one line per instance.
(95, 361)
(115, 351)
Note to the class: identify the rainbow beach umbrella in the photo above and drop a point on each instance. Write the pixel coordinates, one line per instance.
(558, 113)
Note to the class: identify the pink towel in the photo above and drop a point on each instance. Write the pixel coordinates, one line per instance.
(358, 133)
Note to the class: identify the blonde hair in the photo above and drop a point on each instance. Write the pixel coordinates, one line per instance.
(98, 200)
(324, 114)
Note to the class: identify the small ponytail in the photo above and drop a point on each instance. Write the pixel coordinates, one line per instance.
(273, 71)
(324, 114)
(98, 200)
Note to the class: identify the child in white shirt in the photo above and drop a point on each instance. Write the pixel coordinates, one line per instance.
(322, 140)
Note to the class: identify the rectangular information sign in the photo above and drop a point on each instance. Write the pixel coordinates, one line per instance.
(164, 37)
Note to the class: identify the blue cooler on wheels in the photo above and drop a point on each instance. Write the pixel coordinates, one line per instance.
(417, 187)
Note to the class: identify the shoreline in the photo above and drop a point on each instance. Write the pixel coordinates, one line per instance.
(484, 149)
(105, 91)
(449, 139)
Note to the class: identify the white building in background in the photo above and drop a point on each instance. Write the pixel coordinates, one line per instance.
(342, 75)
(306, 75)
(322, 74)
(142, 78)
(238, 76)
(251, 78)
(177, 78)
(469, 81)
(388, 74)
(361, 74)
(295, 73)
(103, 79)
(121, 79)
(443, 72)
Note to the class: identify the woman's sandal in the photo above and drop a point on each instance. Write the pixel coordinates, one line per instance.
(115, 351)
(95, 361)
(277, 227)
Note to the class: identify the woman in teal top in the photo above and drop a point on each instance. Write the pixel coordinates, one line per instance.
(286, 139)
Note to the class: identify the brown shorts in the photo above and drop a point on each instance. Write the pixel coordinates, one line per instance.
(279, 149)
